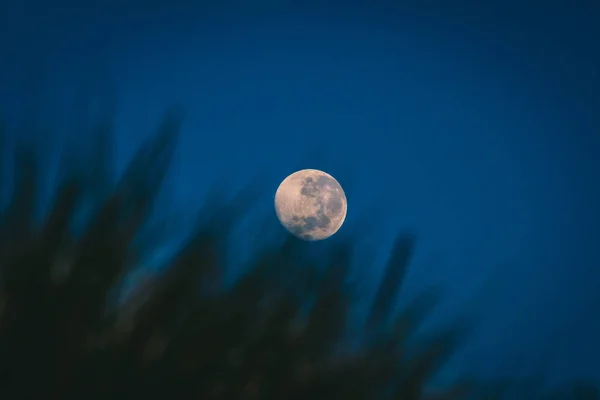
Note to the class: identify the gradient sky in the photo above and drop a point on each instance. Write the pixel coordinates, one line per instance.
(477, 127)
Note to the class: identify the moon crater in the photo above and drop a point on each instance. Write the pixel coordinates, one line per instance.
(311, 204)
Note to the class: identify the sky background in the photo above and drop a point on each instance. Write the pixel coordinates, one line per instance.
(478, 127)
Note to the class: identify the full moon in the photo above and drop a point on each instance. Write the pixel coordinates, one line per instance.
(311, 204)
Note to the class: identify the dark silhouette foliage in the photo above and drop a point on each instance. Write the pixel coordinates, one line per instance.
(70, 330)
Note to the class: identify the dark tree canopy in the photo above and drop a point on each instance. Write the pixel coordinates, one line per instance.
(68, 332)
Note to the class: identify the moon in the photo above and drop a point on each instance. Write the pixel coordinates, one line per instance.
(311, 204)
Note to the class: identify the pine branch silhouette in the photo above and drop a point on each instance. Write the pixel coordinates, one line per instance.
(68, 332)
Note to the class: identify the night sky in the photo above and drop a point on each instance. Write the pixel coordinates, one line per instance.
(477, 127)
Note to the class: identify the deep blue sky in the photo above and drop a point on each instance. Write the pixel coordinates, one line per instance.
(478, 127)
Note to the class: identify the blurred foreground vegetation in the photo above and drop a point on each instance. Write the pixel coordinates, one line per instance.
(75, 325)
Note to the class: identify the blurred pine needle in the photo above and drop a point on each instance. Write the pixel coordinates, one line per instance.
(179, 333)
